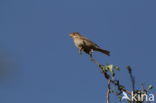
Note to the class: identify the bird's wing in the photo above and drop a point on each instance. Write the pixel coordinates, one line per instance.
(88, 42)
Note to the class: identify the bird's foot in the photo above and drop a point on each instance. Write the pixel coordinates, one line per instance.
(91, 57)
(90, 54)
(80, 52)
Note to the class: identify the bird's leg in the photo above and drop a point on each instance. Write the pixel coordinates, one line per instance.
(91, 56)
(90, 53)
(80, 50)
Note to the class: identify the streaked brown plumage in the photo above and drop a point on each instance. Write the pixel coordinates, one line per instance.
(86, 45)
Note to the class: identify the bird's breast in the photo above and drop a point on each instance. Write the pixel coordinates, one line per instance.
(78, 42)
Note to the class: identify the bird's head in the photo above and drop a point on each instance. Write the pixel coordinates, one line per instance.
(75, 35)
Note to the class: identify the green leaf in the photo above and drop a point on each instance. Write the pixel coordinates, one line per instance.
(116, 68)
(120, 97)
(104, 68)
(150, 87)
(110, 67)
(122, 87)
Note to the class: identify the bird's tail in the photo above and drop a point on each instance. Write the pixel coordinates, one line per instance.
(103, 51)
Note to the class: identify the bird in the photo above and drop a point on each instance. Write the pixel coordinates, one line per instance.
(86, 45)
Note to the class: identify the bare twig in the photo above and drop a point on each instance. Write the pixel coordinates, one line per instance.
(132, 78)
(108, 92)
(142, 87)
(93, 60)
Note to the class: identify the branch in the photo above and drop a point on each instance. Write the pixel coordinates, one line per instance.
(108, 92)
(109, 74)
(108, 77)
(132, 78)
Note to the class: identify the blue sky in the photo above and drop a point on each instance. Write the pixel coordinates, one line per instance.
(44, 65)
